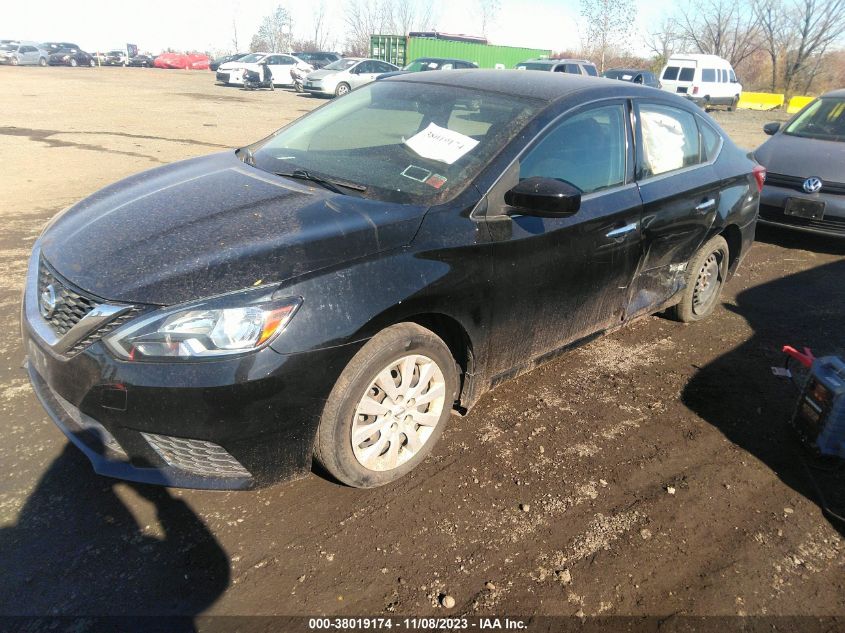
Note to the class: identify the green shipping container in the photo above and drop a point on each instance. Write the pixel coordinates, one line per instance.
(400, 50)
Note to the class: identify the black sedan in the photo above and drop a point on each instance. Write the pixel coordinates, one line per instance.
(216, 63)
(634, 75)
(142, 61)
(805, 159)
(71, 57)
(335, 291)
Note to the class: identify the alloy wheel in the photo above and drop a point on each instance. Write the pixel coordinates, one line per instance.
(398, 412)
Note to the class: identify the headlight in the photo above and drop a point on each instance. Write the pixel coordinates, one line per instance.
(232, 324)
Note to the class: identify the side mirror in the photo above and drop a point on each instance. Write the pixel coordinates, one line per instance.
(771, 128)
(545, 197)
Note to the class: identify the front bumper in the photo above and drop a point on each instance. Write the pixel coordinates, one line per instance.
(318, 89)
(236, 423)
(773, 200)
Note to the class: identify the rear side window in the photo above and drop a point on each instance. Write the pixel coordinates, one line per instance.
(687, 74)
(587, 150)
(670, 139)
(591, 70)
(711, 141)
(573, 69)
(671, 73)
(708, 75)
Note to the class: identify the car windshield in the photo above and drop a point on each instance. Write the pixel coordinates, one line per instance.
(341, 64)
(405, 142)
(824, 119)
(252, 58)
(422, 64)
(533, 66)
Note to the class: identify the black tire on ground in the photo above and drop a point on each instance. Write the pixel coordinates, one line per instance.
(73, 62)
(705, 277)
(42, 62)
(92, 63)
(333, 444)
(342, 89)
(733, 103)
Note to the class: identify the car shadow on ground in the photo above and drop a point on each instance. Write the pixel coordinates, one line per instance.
(801, 241)
(740, 396)
(77, 549)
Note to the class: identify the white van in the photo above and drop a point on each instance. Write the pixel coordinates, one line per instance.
(708, 80)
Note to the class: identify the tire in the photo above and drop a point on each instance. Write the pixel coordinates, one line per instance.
(92, 63)
(403, 350)
(706, 274)
(15, 61)
(733, 103)
(42, 62)
(73, 63)
(341, 89)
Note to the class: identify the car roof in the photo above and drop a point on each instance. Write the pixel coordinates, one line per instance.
(564, 60)
(543, 86)
(837, 94)
(627, 70)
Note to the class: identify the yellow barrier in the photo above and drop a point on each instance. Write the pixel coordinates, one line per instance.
(760, 101)
(797, 103)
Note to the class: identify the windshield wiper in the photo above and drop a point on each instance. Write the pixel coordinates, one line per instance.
(331, 185)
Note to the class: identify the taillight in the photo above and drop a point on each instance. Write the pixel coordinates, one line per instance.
(759, 173)
(695, 90)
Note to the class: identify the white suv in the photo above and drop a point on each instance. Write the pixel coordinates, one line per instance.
(708, 80)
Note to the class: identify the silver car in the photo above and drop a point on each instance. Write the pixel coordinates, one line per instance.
(22, 54)
(341, 76)
(805, 163)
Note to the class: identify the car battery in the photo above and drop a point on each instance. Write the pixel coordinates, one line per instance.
(820, 414)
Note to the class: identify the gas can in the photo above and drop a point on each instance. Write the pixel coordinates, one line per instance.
(820, 414)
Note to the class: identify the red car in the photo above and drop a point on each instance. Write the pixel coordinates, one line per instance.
(180, 60)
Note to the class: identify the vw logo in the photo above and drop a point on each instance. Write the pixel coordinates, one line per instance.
(47, 302)
(813, 185)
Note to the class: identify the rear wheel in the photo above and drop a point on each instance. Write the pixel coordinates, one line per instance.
(342, 89)
(92, 63)
(706, 274)
(388, 408)
(73, 62)
(42, 62)
(733, 103)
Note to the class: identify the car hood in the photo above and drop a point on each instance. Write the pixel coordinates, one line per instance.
(803, 157)
(212, 225)
(235, 65)
(322, 74)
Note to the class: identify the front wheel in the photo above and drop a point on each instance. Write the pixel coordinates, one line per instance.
(706, 274)
(15, 61)
(388, 408)
(73, 63)
(342, 89)
(92, 63)
(42, 62)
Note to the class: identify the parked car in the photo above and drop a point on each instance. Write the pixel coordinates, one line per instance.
(215, 64)
(318, 59)
(141, 60)
(386, 258)
(424, 64)
(340, 77)
(71, 57)
(634, 75)
(22, 54)
(53, 47)
(232, 73)
(805, 159)
(570, 66)
(116, 58)
(708, 80)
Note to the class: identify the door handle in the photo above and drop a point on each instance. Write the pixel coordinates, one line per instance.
(706, 205)
(622, 231)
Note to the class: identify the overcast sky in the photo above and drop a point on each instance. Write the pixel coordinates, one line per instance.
(208, 24)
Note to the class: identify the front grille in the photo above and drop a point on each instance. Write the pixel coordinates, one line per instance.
(797, 183)
(776, 214)
(196, 456)
(102, 331)
(71, 306)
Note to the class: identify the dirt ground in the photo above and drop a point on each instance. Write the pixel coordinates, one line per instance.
(655, 466)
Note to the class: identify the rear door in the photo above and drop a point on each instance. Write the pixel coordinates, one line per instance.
(363, 73)
(680, 194)
(678, 76)
(557, 280)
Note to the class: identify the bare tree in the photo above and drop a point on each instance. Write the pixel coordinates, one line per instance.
(364, 18)
(816, 25)
(726, 28)
(608, 22)
(319, 27)
(275, 34)
(488, 11)
(775, 34)
(663, 42)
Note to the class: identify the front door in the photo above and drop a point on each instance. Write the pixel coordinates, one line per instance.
(558, 280)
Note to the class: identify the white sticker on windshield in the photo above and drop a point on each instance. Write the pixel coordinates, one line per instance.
(440, 143)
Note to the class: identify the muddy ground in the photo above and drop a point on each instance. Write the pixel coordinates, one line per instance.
(658, 474)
